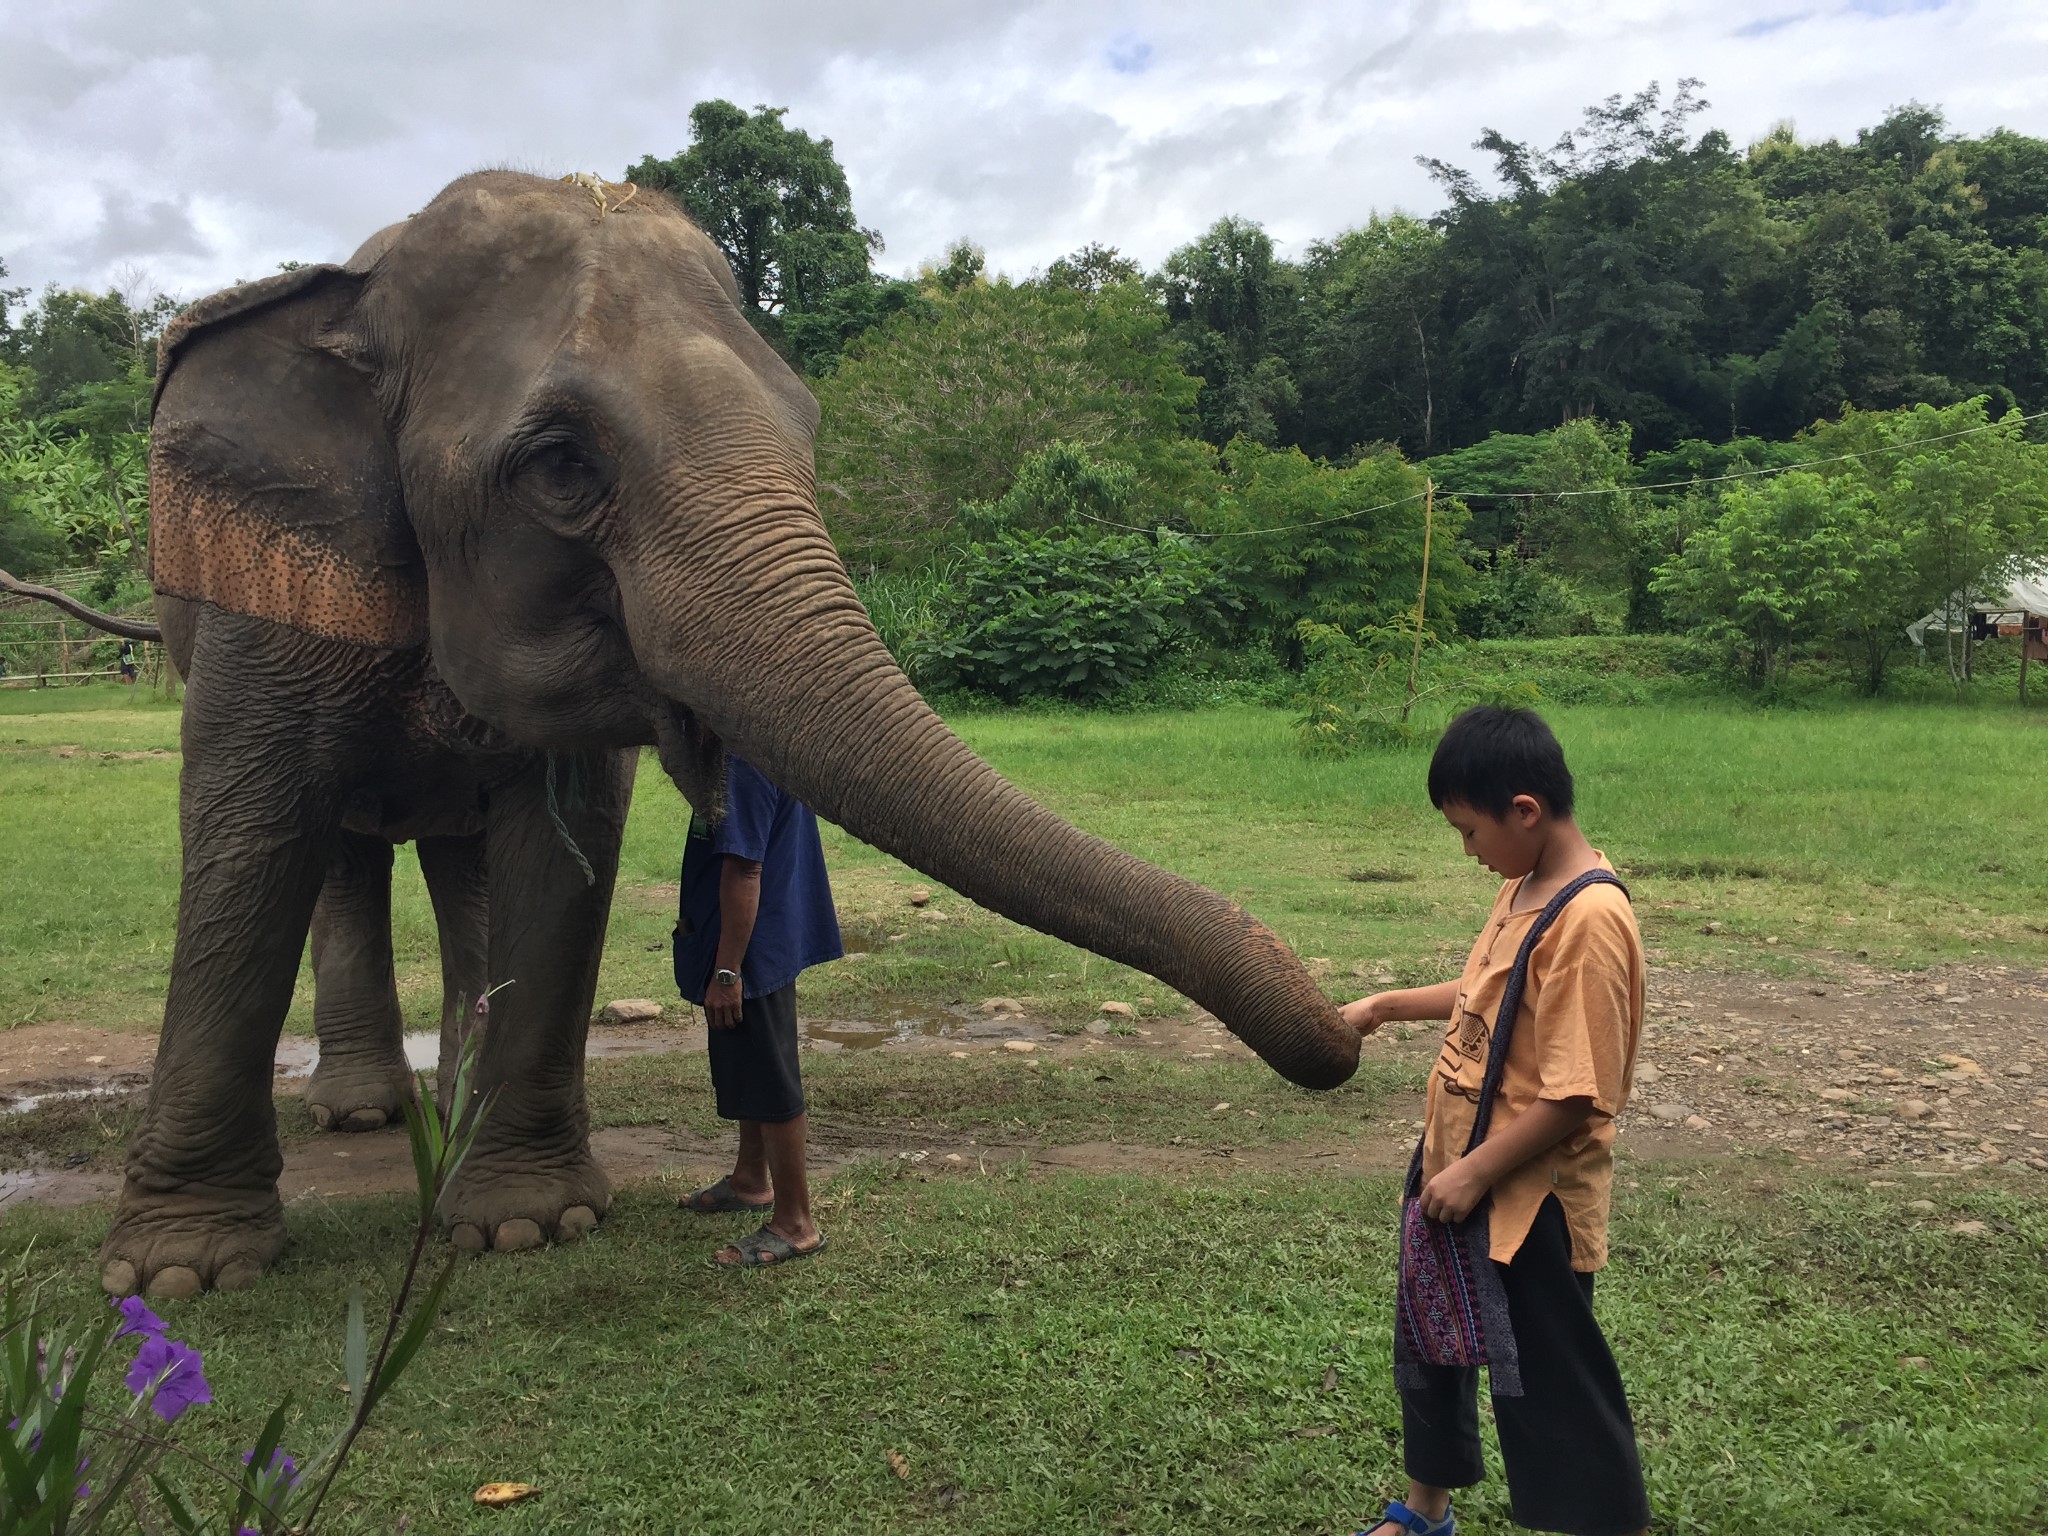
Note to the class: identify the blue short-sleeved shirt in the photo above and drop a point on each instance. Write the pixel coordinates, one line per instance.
(796, 927)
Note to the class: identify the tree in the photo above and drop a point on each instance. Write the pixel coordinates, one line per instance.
(1760, 578)
(79, 493)
(1093, 268)
(1610, 275)
(70, 341)
(1308, 540)
(1234, 308)
(1964, 497)
(943, 403)
(1374, 357)
(776, 202)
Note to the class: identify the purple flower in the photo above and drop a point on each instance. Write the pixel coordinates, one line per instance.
(136, 1318)
(174, 1369)
(280, 1462)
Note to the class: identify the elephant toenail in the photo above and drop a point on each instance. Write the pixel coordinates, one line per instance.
(323, 1116)
(118, 1279)
(517, 1234)
(575, 1222)
(237, 1275)
(364, 1120)
(467, 1237)
(174, 1282)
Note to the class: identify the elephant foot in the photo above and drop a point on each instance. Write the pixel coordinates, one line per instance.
(352, 1094)
(195, 1240)
(510, 1200)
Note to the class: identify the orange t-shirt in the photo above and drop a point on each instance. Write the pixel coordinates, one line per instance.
(1575, 1036)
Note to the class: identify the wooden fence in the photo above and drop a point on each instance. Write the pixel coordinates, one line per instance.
(42, 648)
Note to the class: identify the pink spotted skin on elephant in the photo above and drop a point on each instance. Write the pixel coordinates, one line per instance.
(442, 536)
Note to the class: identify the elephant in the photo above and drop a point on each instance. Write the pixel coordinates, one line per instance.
(443, 537)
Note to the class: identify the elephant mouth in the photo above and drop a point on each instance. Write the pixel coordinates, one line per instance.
(693, 756)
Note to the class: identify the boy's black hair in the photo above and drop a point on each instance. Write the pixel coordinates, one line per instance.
(1489, 755)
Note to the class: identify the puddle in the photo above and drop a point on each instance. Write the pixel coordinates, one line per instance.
(55, 1186)
(298, 1055)
(863, 1035)
(26, 1103)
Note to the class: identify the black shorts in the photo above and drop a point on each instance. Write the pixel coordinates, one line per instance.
(753, 1065)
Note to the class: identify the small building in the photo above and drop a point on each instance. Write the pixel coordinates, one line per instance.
(2017, 607)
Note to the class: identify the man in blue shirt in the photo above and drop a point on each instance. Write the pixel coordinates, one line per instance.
(756, 911)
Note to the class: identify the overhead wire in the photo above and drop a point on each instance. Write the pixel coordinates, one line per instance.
(1600, 490)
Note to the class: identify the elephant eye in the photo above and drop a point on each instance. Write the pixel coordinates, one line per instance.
(563, 469)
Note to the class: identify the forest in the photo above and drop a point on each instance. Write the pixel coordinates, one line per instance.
(1780, 399)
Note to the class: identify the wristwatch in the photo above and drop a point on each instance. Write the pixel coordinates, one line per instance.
(726, 978)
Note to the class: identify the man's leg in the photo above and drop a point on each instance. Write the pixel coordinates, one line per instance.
(754, 1069)
(771, 1165)
(750, 1178)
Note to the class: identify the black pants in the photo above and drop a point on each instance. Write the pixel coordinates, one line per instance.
(1568, 1441)
(753, 1065)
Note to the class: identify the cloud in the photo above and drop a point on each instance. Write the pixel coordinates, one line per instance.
(203, 142)
(1764, 26)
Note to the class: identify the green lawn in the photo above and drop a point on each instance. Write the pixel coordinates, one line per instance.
(1883, 829)
(1125, 1353)
(1093, 1353)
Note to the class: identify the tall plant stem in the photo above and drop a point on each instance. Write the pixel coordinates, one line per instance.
(1421, 597)
(369, 1399)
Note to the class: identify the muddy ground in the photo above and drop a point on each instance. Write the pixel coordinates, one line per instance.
(1887, 1072)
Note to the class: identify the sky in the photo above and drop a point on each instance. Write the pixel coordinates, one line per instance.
(161, 145)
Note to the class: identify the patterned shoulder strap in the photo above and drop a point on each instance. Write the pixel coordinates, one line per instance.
(1511, 998)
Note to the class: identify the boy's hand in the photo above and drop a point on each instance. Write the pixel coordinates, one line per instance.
(1368, 1013)
(1452, 1194)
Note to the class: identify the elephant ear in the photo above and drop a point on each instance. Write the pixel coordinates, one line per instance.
(273, 484)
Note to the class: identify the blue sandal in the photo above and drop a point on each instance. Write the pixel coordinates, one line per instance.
(1399, 1514)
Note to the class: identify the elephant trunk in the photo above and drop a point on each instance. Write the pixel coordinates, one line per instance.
(778, 657)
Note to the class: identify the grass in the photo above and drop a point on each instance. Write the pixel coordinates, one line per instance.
(1873, 829)
(1113, 1353)
(1124, 1353)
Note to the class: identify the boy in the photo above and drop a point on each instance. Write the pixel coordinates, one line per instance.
(1568, 1442)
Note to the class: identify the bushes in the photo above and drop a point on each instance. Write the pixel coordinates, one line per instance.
(1354, 688)
(1064, 615)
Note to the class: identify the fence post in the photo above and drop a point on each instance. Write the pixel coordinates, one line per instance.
(1421, 597)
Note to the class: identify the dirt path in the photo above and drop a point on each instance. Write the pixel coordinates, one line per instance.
(1870, 1069)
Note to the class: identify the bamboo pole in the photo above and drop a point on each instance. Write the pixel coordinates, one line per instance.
(1421, 597)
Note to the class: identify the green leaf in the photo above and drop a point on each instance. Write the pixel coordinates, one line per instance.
(181, 1513)
(356, 1349)
(416, 1331)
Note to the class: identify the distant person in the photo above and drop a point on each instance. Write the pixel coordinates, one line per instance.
(756, 912)
(1516, 1163)
(127, 662)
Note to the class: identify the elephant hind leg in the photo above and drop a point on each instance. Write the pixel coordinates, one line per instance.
(362, 1081)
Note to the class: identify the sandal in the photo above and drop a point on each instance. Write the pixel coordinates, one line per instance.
(766, 1246)
(1401, 1517)
(717, 1199)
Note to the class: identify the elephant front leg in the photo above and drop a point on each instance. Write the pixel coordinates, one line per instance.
(362, 1080)
(455, 870)
(531, 1177)
(199, 1205)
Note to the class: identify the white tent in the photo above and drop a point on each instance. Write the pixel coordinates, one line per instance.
(2008, 604)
